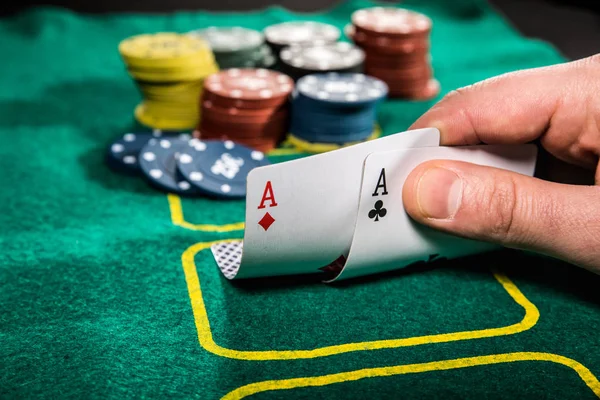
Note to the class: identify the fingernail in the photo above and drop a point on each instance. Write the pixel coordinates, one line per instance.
(439, 193)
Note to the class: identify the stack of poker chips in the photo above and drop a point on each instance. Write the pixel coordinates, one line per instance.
(397, 46)
(249, 106)
(177, 163)
(237, 47)
(169, 69)
(335, 109)
(341, 57)
(299, 33)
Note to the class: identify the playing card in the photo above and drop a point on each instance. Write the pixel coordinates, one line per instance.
(385, 237)
(300, 214)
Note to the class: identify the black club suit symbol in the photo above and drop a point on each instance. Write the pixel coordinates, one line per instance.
(378, 211)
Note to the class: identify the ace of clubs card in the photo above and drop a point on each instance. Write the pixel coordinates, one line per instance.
(385, 237)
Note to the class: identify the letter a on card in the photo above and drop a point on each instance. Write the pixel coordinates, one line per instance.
(268, 196)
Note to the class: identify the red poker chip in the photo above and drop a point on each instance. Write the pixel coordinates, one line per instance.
(398, 61)
(263, 145)
(391, 21)
(259, 86)
(265, 130)
(426, 91)
(391, 43)
(401, 47)
(420, 72)
(241, 104)
(367, 34)
(243, 116)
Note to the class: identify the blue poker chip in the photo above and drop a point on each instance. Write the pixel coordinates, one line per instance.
(342, 89)
(158, 162)
(330, 122)
(122, 154)
(336, 108)
(219, 168)
(340, 139)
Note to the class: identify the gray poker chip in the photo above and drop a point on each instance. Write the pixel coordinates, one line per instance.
(301, 32)
(230, 39)
(342, 88)
(326, 57)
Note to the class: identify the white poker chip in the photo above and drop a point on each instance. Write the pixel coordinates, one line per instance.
(230, 39)
(345, 88)
(324, 57)
(301, 32)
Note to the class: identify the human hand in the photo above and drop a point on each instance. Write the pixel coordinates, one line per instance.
(558, 106)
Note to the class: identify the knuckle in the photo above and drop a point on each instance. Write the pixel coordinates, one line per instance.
(516, 214)
(592, 60)
(587, 71)
(457, 93)
(476, 87)
(503, 203)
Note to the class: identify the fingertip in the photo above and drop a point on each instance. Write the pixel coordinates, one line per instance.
(448, 118)
(426, 121)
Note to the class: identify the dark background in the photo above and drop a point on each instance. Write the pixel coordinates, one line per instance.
(572, 26)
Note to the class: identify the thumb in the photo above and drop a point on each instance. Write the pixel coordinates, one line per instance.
(510, 209)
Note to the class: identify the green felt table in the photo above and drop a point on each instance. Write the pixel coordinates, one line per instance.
(109, 289)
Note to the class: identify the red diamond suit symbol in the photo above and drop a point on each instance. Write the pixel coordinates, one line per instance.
(266, 221)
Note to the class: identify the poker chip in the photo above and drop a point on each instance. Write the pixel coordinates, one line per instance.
(237, 47)
(158, 161)
(218, 168)
(397, 50)
(247, 106)
(169, 70)
(248, 88)
(228, 39)
(335, 108)
(342, 89)
(163, 49)
(122, 154)
(391, 21)
(298, 61)
(300, 32)
(319, 147)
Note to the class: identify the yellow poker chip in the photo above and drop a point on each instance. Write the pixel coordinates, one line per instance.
(163, 49)
(169, 70)
(182, 75)
(169, 94)
(174, 100)
(174, 88)
(170, 113)
(161, 122)
(308, 147)
(195, 65)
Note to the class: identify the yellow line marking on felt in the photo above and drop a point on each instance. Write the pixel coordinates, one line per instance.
(207, 341)
(178, 219)
(283, 384)
(284, 152)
